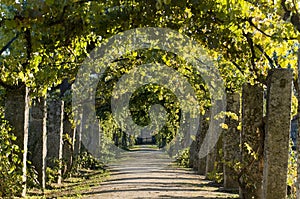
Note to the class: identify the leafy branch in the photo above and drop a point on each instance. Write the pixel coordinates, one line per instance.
(295, 17)
(8, 44)
(267, 35)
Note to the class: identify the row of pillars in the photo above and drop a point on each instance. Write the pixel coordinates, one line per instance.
(40, 127)
(255, 157)
(45, 137)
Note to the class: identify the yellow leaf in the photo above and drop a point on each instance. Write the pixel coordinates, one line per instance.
(224, 126)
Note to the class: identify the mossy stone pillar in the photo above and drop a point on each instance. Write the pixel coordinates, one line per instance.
(277, 133)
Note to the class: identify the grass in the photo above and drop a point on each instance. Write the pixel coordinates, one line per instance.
(71, 187)
(142, 146)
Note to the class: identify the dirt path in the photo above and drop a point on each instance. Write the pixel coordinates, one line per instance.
(149, 173)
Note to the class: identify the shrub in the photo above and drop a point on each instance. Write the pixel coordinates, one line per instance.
(183, 158)
(10, 164)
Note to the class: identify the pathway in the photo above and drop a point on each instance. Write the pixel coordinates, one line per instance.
(149, 173)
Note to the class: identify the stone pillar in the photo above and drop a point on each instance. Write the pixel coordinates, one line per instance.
(77, 139)
(204, 124)
(193, 151)
(17, 114)
(192, 154)
(276, 148)
(252, 139)
(55, 135)
(297, 183)
(231, 142)
(210, 162)
(37, 138)
(90, 132)
(195, 147)
(124, 139)
(14, 112)
(213, 159)
(68, 131)
(76, 143)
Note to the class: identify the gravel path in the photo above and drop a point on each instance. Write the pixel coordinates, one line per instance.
(149, 173)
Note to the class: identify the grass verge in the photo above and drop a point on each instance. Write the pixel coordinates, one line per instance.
(72, 187)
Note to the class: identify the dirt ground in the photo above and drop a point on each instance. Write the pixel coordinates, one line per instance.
(149, 173)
